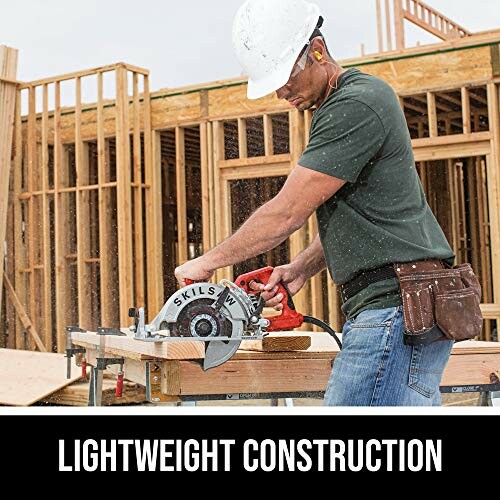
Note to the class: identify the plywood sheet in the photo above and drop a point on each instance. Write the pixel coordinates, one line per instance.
(27, 377)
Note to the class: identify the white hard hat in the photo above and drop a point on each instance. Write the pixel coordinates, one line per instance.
(268, 36)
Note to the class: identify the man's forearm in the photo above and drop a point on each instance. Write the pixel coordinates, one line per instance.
(268, 227)
(312, 260)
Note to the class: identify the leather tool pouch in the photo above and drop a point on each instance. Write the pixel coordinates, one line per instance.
(439, 303)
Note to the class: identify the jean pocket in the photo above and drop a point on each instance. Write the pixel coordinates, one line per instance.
(427, 365)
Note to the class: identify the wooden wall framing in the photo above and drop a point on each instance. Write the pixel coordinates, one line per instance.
(142, 141)
(84, 212)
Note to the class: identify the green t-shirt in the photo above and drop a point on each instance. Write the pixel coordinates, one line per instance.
(380, 216)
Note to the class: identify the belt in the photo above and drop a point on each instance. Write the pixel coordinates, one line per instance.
(362, 280)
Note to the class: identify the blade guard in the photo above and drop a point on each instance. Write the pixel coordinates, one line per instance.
(289, 318)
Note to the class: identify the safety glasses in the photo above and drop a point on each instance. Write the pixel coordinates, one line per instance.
(301, 63)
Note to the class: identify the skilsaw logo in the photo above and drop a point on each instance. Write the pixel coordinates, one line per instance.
(199, 292)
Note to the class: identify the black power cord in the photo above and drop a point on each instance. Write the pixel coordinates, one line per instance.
(325, 326)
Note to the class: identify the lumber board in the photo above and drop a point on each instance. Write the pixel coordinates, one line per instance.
(474, 369)
(27, 377)
(278, 341)
(46, 253)
(127, 344)
(154, 231)
(25, 320)
(138, 216)
(180, 178)
(8, 70)
(124, 197)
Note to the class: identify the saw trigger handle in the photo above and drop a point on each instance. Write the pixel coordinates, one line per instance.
(289, 318)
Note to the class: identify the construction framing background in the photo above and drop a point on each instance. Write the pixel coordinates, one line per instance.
(107, 198)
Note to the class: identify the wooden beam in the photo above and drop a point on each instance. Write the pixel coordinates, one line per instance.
(8, 70)
(180, 177)
(268, 135)
(154, 231)
(242, 138)
(109, 317)
(432, 113)
(124, 197)
(399, 25)
(19, 241)
(388, 25)
(380, 34)
(87, 72)
(493, 169)
(278, 342)
(205, 186)
(139, 279)
(27, 324)
(47, 267)
(82, 216)
(466, 122)
(135, 349)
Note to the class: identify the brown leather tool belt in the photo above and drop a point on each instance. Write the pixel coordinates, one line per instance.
(439, 302)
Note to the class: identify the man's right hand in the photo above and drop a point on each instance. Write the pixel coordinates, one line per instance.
(290, 275)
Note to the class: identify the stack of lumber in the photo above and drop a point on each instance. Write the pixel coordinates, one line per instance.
(8, 69)
(77, 394)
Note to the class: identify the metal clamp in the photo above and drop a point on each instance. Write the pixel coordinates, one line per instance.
(70, 350)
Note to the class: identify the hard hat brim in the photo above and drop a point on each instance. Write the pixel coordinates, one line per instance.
(272, 82)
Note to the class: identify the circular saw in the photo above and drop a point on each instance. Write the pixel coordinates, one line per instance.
(220, 315)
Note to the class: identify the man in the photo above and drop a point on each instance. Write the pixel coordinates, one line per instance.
(358, 174)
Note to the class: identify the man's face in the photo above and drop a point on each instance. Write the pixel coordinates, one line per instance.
(305, 87)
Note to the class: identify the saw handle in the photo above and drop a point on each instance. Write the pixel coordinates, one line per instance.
(289, 318)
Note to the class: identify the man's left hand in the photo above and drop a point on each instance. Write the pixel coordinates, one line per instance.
(195, 270)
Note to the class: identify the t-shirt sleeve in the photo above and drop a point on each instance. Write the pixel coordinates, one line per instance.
(343, 139)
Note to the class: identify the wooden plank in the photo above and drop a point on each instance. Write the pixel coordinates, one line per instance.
(8, 70)
(180, 178)
(164, 350)
(473, 369)
(61, 223)
(388, 31)
(493, 169)
(278, 341)
(455, 146)
(380, 35)
(19, 242)
(218, 145)
(46, 253)
(432, 114)
(490, 311)
(87, 72)
(27, 324)
(82, 217)
(154, 231)
(298, 240)
(30, 223)
(211, 184)
(466, 122)
(205, 187)
(242, 138)
(399, 24)
(268, 135)
(255, 161)
(27, 377)
(140, 299)
(124, 197)
(108, 309)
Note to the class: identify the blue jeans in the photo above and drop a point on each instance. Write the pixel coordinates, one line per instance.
(375, 368)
